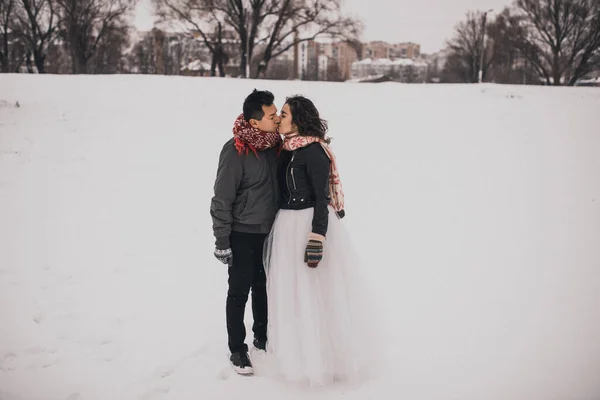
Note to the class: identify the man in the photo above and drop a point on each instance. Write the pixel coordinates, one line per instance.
(243, 210)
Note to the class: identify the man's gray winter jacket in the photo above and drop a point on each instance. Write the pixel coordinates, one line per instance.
(246, 193)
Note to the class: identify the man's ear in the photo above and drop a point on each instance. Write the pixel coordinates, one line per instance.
(253, 123)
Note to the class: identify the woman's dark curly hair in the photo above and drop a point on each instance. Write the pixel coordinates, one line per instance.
(306, 117)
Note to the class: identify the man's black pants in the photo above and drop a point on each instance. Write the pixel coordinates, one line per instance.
(247, 272)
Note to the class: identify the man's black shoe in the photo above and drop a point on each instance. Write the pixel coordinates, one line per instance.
(241, 363)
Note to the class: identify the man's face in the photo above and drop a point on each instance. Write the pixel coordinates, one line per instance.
(269, 121)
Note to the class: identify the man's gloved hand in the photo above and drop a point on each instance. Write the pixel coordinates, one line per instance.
(225, 256)
(314, 250)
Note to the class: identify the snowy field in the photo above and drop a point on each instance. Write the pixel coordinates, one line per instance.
(476, 210)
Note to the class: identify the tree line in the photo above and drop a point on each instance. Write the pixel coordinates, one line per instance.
(93, 36)
(552, 42)
(88, 35)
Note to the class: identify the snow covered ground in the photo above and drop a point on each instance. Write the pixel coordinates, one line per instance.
(476, 210)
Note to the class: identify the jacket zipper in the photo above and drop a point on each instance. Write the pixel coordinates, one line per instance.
(292, 173)
(293, 180)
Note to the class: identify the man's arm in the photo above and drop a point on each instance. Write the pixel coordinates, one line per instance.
(229, 177)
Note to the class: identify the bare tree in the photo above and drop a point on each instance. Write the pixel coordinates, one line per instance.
(87, 24)
(315, 18)
(141, 58)
(13, 49)
(277, 25)
(507, 63)
(109, 57)
(500, 33)
(245, 21)
(36, 23)
(465, 58)
(199, 18)
(563, 38)
(57, 59)
(6, 14)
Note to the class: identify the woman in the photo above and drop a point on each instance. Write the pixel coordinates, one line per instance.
(315, 319)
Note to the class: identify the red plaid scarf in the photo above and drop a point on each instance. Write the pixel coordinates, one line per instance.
(250, 138)
(336, 192)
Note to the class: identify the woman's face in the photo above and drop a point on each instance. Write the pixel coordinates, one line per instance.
(286, 126)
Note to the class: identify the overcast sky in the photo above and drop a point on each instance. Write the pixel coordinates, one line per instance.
(427, 22)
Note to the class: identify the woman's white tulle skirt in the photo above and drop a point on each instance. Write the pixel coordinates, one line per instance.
(318, 330)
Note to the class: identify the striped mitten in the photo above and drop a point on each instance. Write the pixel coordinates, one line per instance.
(313, 253)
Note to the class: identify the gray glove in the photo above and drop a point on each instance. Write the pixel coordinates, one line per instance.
(225, 256)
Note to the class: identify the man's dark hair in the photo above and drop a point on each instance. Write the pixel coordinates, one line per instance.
(254, 102)
(306, 117)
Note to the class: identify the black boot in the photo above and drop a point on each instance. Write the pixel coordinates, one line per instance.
(241, 363)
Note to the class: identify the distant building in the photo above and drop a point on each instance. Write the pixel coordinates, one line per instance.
(309, 60)
(401, 69)
(405, 50)
(323, 67)
(322, 60)
(376, 49)
(325, 61)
